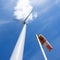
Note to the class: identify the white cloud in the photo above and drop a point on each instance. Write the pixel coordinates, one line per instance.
(4, 22)
(22, 9)
(38, 2)
(35, 15)
(8, 5)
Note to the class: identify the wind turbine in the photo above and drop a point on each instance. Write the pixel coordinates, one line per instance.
(17, 53)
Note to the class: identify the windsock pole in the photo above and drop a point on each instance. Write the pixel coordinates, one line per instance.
(44, 55)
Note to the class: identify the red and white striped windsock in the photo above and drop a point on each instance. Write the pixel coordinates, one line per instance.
(44, 42)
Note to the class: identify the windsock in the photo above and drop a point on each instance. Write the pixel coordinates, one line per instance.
(44, 42)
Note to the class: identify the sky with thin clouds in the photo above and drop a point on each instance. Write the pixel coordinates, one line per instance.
(44, 19)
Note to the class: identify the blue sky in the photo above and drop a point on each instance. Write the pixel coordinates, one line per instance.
(46, 23)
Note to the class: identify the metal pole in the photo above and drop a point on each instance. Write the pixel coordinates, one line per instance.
(44, 55)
